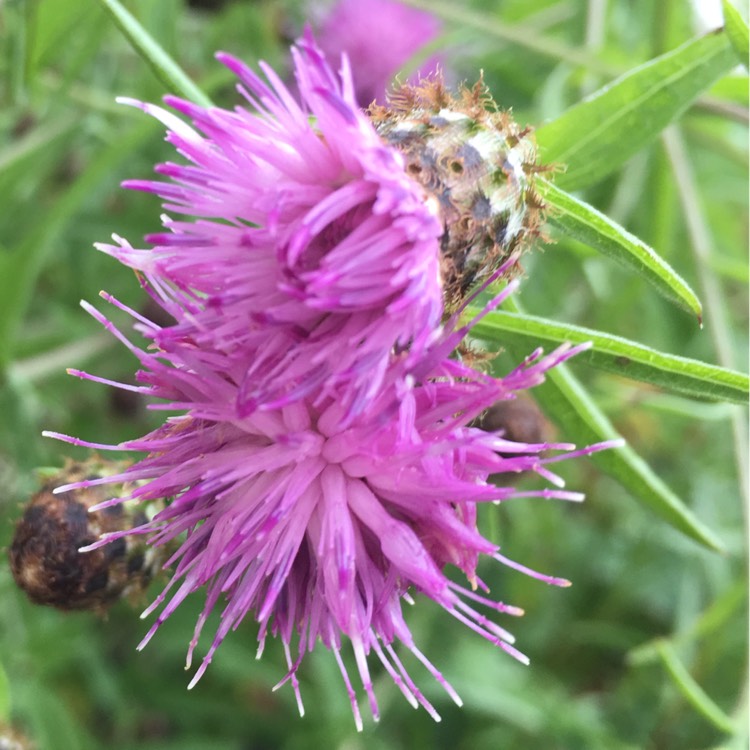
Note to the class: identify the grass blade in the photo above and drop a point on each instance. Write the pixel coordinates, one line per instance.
(19, 269)
(584, 223)
(621, 356)
(692, 691)
(730, 605)
(596, 136)
(166, 69)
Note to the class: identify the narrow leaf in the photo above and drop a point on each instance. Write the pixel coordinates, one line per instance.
(565, 401)
(19, 268)
(596, 136)
(737, 31)
(584, 223)
(621, 356)
(688, 408)
(692, 691)
(166, 69)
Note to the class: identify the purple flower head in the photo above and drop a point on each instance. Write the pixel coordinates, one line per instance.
(379, 37)
(323, 464)
(313, 257)
(319, 526)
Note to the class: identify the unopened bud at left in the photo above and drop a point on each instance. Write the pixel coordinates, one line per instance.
(44, 555)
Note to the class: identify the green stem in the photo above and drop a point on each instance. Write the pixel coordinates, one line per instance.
(51, 363)
(717, 318)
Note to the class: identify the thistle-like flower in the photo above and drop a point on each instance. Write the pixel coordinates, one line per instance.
(318, 526)
(379, 37)
(314, 255)
(324, 464)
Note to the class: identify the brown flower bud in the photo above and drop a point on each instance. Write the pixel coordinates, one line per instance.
(478, 166)
(44, 555)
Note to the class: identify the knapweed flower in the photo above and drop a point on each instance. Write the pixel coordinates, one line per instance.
(379, 37)
(323, 464)
(318, 526)
(314, 255)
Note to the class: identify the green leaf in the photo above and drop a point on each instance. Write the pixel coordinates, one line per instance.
(688, 408)
(737, 31)
(585, 224)
(565, 401)
(692, 691)
(166, 69)
(730, 268)
(20, 268)
(621, 356)
(596, 136)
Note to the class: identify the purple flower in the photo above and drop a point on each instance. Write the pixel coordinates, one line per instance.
(315, 255)
(379, 37)
(316, 525)
(323, 464)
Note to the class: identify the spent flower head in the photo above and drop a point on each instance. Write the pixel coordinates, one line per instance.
(477, 165)
(313, 257)
(44, 557)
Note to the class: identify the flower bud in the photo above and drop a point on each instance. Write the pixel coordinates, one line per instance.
(44, 555)
(477, 166)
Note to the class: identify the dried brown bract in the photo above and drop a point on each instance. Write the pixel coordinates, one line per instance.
(44, 555)
(478, 165)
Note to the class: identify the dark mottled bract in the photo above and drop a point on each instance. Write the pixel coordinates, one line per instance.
(44, 556)
(477, 166)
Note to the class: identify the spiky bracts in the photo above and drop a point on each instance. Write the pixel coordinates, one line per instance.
(478, 167)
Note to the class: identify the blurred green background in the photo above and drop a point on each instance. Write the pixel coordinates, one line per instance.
(603, 653)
